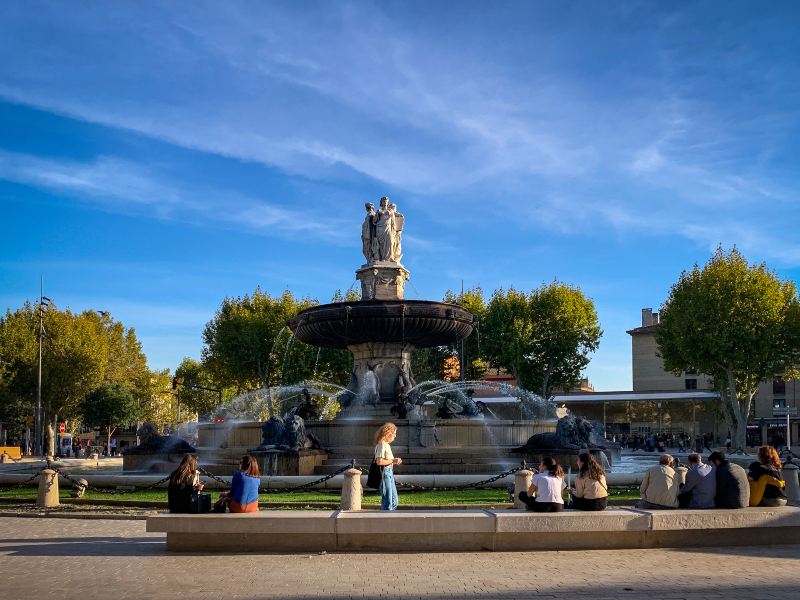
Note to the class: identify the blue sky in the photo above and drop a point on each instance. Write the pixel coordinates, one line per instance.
(156, 157)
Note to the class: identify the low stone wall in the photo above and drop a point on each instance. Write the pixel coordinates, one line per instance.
(470, 530)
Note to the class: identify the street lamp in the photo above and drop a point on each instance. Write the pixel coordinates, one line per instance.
(44, 302)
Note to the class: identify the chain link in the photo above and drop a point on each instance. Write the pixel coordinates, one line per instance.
(22, 484)
(113, 492)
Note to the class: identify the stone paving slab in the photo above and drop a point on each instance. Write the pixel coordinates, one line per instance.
(77, 559)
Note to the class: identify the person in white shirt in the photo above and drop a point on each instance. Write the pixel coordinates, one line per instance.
(384, 457)
(548, 486)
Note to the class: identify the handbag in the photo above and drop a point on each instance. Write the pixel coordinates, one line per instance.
(375, 476)
(200, 503)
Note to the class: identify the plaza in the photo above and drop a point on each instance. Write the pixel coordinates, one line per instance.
(75, 558)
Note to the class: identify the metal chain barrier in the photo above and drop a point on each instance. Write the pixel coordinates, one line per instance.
(271, 490)
(22, 484)
(112, 492)
(467, 486)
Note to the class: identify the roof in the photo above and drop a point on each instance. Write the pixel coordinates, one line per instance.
(642, 330)
(625, 396)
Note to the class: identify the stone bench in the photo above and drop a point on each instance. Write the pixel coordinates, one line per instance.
(470, 530)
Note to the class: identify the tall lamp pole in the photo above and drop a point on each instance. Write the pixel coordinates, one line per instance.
(44, 302)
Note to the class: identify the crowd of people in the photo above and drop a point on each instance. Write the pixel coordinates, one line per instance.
(668, 485)
(719, 483)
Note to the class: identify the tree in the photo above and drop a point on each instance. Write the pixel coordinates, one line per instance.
(249, 345)
(475, 363)
(109, 406)
(737, 323)
(80, 351)
(192, 373)
(543, 338)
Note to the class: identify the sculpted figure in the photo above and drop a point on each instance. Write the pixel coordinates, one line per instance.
(372, 386)
(368, 233)
(397, 237)
(384, 230)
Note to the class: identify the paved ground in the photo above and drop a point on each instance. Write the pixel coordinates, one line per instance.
(75, 558)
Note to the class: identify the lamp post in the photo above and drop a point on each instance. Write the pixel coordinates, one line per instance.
(44, 302)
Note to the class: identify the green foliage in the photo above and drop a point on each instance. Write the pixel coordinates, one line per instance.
(79, 353)
(543, 338)
(737, 323)
(111, 405)
(249, 345)
(475, 364)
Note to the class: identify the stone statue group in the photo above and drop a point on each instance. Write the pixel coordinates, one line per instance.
(381, 233)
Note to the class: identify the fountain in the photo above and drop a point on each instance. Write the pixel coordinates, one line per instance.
(442, 429)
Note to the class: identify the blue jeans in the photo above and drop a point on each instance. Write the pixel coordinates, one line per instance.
(388, 489)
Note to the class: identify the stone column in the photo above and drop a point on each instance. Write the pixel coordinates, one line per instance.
(48, 489)
(351, 490)
(522, 481)
(790, 476)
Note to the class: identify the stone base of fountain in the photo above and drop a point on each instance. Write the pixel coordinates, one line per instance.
(427, 446)
(157, 462)
(289, 462)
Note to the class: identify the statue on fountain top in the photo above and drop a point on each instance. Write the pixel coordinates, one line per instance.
(381, 233)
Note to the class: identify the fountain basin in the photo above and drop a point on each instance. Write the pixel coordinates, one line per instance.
(419, 323)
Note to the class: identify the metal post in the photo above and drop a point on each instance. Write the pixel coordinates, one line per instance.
(461, 362)
(788, 431)
(38, 430)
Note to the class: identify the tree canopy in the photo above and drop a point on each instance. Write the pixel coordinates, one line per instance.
(80, 352)
(738, 323)
(542, 338)
(109, 406)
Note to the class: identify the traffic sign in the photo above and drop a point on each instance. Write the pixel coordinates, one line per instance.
(62, 428)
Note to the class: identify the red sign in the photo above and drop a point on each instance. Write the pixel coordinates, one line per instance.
(62, 428)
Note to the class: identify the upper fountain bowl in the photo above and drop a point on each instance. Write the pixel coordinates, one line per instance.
(418, 322)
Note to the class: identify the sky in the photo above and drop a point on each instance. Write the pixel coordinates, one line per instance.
(156, 157)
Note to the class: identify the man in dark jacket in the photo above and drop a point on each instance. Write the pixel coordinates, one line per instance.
(733, 489)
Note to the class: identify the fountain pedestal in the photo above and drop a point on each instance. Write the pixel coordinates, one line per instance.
(382, 280)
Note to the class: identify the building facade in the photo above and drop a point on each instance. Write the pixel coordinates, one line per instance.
(649, 375)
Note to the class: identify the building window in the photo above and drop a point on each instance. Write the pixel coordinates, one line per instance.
(691, 384)
(778, 402)
(778, 386)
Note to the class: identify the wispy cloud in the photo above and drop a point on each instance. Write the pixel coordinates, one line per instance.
(121, 185)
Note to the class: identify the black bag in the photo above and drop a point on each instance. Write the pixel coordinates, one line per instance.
(200, 503)
(375, 476)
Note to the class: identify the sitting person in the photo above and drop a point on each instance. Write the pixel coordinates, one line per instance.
(766, 482)
(700, 486)
(590, 491)
(243, 497)
(184, 481)
(547, 485)
(660, 486)
(733, 489)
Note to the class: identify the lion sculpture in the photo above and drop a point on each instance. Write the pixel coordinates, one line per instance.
(572, 433)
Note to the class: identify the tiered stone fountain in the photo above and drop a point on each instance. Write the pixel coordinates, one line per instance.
(381, 331)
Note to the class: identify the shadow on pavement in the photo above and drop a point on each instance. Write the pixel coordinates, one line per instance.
(83, 546)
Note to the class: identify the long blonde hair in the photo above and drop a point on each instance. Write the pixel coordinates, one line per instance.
(384, 432)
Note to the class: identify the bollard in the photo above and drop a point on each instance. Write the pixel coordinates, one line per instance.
(48, 489)
(5, 457)
(790, 476)
(351, 490)
(78, 488)
(522, 481)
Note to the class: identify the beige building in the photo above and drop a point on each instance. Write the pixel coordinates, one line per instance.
(649, 376)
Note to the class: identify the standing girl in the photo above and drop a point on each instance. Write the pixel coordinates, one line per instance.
(385, 459)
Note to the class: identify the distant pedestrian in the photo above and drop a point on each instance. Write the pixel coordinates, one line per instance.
(385, 458)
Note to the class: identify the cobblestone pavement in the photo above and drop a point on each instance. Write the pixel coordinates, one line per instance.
(76, 558)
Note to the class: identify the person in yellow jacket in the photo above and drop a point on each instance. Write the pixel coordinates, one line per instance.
(766, 480)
